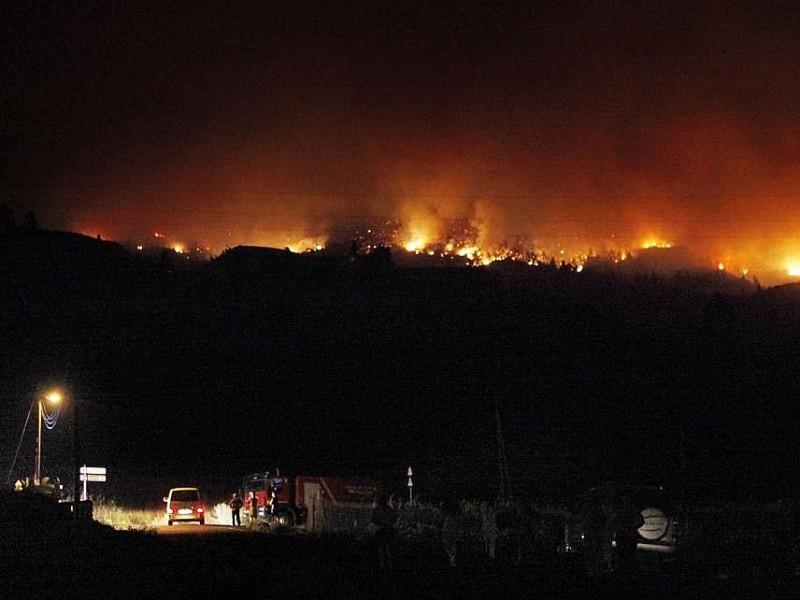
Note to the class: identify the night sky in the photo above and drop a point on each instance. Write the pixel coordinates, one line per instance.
(565, 124)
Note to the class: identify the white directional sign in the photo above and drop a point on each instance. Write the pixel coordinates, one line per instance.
(93, 473)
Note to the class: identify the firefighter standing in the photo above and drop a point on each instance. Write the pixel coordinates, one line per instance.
(235, 505)
(384, 517)
(597, 536)
(252, 508)
(627, 521)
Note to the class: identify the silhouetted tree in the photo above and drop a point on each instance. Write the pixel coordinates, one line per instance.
(166, 260)
(7, 222)
(719, 320)
(382, 257)
(30, 222)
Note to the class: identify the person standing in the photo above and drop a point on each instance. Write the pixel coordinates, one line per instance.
(252, 509)
(596, 536)
(235, 505)
(627, 521)
(453, 530)
(384, 517)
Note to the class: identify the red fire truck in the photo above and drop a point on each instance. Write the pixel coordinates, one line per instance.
(305, 499)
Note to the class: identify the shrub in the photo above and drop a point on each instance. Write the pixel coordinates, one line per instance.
(108, 512)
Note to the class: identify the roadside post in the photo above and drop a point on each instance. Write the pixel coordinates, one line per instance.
(410, 485)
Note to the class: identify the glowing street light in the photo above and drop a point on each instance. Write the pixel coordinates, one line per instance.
(50, 418)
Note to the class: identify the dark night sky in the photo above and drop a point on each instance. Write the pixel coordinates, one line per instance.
(567, 123)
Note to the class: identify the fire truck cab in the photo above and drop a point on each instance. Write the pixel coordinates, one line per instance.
(275, 503)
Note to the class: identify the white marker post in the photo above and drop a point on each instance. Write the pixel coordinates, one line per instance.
(410, 486)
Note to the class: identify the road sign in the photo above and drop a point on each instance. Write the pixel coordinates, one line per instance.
(93, 473)
(93, 470)
(88, 474)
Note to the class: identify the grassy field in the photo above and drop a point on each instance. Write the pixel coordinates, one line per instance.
(46, 553)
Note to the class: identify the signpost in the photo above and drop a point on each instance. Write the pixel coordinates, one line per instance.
(88, 474)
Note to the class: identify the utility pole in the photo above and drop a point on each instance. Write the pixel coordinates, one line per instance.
(37, 473)
(75, 459)
(54, 398)
(505, 483)
(683, 465)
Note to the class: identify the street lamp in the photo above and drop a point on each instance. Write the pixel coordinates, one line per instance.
(50, 419)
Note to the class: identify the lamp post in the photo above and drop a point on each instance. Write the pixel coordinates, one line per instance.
(75, 453)
(53, 397)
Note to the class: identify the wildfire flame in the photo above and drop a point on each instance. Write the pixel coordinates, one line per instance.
(793, 268)
(466, 241)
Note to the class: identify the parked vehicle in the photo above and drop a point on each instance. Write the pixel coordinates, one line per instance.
(664, 524)
(292, 500)
(184, 504)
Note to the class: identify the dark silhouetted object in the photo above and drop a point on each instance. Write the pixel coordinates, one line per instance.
(252, 508)
(7, 222)
(236, 507)
(30, 222)
(384, 517)
(626, 523)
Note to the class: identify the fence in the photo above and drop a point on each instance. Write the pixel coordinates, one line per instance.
(764, 536)
(325, 516)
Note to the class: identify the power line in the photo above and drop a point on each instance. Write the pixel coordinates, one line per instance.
(21, 436)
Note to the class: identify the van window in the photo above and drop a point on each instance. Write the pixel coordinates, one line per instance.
(185, 496)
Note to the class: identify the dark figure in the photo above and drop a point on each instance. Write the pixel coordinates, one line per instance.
(236, 505)
(597, 537)
(384, 518)
(627, 521)
(509, 523)
(453, 530)
(252, 508)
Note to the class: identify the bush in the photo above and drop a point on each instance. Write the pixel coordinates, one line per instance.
(108, 512)
(17, 508)
(419, 522)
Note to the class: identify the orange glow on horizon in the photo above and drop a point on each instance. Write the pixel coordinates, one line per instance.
(479, 241)
(414, 245)
(793, 268)
(655, 243)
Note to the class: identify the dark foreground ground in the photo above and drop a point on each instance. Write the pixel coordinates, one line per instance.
(92, 561)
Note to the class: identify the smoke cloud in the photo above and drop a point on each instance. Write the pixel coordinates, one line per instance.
(559, 126)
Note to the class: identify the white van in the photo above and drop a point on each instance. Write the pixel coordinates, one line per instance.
(185, 504)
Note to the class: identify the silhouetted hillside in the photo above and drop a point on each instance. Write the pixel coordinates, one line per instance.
(263, 358)
(47, 254)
